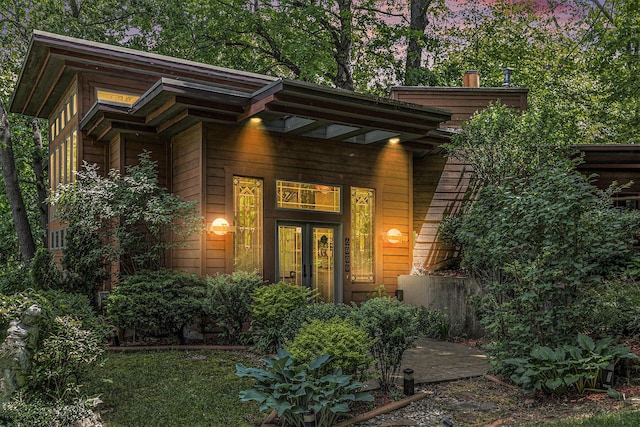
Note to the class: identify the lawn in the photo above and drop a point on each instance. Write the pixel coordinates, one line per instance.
(173, 388)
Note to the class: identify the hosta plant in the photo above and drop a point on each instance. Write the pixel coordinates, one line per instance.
(567, 368)
(291, 389)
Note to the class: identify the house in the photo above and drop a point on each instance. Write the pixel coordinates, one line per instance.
(303, 183)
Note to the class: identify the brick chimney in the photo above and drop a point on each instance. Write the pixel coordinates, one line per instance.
(471, 79)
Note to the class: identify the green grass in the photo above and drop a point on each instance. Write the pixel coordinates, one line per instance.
(622, 418)
(173, 389)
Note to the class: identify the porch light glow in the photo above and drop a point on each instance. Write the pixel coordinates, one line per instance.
(220, 227)
(394, 141)
(394, 236)
(255, 120)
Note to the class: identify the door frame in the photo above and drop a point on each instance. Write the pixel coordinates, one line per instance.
(338, 249)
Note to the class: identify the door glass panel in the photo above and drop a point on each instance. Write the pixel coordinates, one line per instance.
(323, 263)
(290, 254)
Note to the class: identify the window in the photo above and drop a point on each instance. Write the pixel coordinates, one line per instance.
(247, 212)
(362, 234)
(306, 196)
(63, 147)
(117, 97)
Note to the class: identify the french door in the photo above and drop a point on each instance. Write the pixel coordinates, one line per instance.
(308, 256)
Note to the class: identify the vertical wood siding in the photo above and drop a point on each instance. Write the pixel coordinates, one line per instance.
(257, 153)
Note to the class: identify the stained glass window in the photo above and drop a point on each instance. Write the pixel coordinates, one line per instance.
(247, 207)
(362, 234)
(306, 196)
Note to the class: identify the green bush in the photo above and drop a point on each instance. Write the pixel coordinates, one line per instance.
(542, 247)
(53, 304)
(393, 327)
(291, 389)
(24, 412)
(433, 323)
(14, 277)
(63, 360)
(567, 368)
(229, 302)
(346, 343)
(157, 303)
(43, 273)
(271, 304)
(318, 310)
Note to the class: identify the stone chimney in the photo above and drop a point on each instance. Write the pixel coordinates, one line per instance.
(471, 79)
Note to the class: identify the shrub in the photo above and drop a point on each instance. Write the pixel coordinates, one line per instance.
(319, 310)
(346, 343)
(271, 304)
(568, 367)
(292, 389)
(23, 412)
(43, 273)
(433, 323)
(229, 302)
(393, 327)
(539, 246)
(157, 303)
(14, 277)
(64, 358)
(53, 304)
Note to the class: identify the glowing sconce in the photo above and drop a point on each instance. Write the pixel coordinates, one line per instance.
(394, 141)
(220, 227)
(393, 236)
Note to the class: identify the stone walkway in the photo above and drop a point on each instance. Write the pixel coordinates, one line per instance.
(435, 361)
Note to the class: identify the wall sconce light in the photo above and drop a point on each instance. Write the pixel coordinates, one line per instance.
(393, 236)
(394, 141)
(220, 227)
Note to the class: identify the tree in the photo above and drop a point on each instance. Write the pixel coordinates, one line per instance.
(537, 235)
(126, 219)
(12, 188)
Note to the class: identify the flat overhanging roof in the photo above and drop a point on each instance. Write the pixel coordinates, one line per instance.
(182, 93)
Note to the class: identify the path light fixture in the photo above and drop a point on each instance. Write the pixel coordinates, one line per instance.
(409, 383)
(309, 419)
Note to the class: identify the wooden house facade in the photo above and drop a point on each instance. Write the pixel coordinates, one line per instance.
(303, 183)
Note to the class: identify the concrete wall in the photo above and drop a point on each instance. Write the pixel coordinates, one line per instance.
(447, 294)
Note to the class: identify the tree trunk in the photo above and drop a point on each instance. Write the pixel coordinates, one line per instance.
(39, 165)
(343, 45)
(418, 23)
(14, 195)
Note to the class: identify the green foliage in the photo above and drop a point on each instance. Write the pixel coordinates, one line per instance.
(434, 323)
(540, 246)
(316, 311)
(614, 308)
(229, 302)
(346, 343)
(567, 368)
(14, 277)
(393, 327)
(156, 303)
(271, 304)
(24, 412)
(53, 304)
(501, 143)
(131, 209)
(43, 273)
(292, 389)
(62, 361)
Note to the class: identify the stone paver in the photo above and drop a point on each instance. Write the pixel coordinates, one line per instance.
(435, 361)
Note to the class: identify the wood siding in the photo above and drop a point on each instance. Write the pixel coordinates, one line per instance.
(186, 182)
(463, 102)
(251, 152)
(440, 185)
